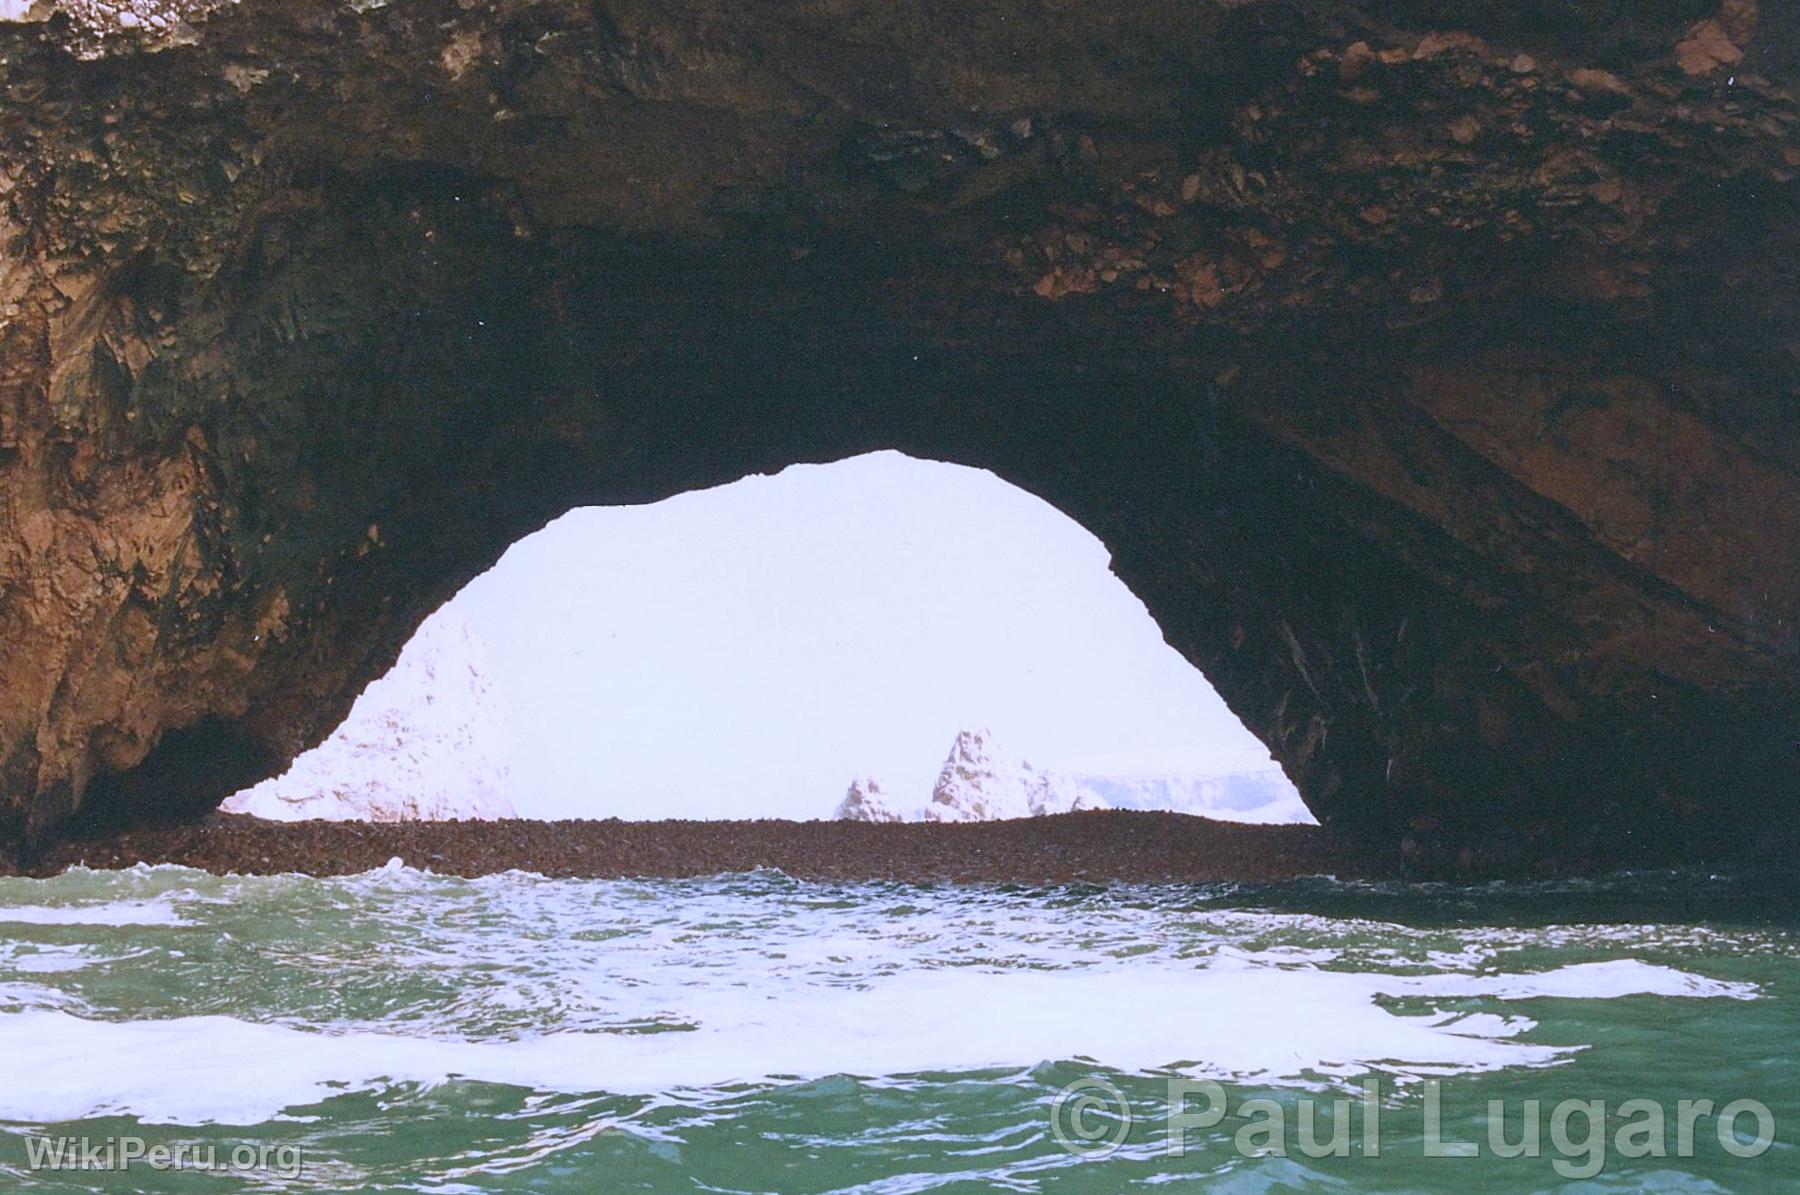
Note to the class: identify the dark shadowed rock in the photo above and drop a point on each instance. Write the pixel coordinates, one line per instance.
(1438, 400)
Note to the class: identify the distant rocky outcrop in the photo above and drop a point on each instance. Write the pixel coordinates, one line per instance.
(1262, 796)
(979, 783)
(865, 802)
(426, 742)
(1056, 792)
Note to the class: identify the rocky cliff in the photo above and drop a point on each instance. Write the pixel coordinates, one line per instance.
(1428, 366)
(427, 742)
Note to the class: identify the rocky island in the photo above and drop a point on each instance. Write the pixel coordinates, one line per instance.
(1427, 368)
(979, 782)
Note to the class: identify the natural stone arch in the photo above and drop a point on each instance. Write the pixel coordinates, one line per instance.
(1427, 371)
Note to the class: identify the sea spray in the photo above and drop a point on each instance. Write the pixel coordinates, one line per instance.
(753, 1032)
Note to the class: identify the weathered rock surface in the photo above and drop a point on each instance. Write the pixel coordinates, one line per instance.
(427, 742)
(977, 783)
(1429, 367)
(865, 802)
(980, 782)
(1106, 847)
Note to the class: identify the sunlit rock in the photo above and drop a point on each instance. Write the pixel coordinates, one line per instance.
(427, 742)
(978, 783)
(865, 802)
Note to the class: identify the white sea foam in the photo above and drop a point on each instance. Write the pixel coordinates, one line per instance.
(114, 913)
(1228, 1019)
(1616, 977)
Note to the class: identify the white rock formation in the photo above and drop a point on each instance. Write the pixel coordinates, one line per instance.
(1054, 792)
(865, 802)
(980, 783)
(1262, 796)
(428, 741)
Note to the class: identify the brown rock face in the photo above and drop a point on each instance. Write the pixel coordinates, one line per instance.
(1429, 367)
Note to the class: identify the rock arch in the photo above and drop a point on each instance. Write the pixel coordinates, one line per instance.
(1428, 369)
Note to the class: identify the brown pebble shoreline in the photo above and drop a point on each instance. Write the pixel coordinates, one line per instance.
(1096, 847)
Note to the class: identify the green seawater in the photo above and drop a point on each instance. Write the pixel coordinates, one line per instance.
(399, 1031)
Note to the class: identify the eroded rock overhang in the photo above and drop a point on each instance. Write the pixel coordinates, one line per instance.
(1429, 368)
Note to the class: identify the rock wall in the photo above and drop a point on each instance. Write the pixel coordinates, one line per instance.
(1427, 365)
(427, 742)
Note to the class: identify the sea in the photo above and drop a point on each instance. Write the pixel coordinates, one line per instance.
(163, 1029)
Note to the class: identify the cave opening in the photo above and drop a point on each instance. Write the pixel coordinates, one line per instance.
(183, 778)
(798, 645)
(1478, 513)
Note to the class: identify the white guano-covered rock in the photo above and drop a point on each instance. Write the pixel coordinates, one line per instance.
(865, 802)
(427, 742)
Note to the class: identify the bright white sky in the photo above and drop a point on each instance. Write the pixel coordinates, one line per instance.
(746, 650)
